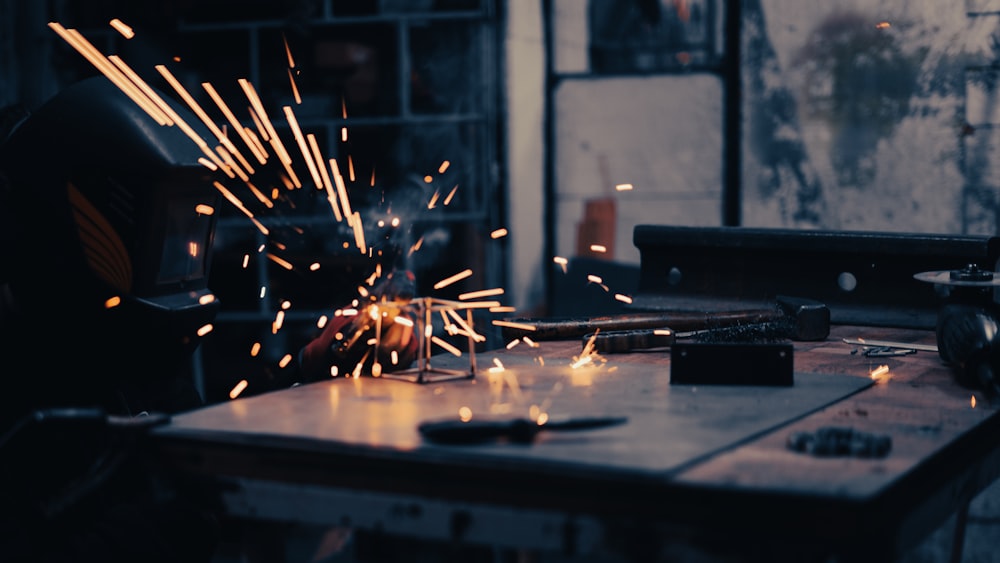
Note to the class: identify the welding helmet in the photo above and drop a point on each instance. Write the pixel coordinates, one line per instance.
(110, 247)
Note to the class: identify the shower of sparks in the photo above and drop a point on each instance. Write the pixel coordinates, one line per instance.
(197, 109)
(261, 143)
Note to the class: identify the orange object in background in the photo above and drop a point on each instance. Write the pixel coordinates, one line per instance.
(597, 228)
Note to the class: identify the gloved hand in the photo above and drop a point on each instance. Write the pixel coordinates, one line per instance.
(348, 342)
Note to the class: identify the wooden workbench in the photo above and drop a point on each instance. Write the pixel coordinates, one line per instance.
(702, 466)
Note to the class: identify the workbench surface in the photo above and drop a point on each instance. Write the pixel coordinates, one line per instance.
(693, 462)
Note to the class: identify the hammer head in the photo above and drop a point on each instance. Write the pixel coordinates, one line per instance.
(807, 318)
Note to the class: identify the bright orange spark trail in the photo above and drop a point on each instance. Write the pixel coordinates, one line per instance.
(196, 108)
(264, 121)
(109, 70)
(235, 123)
(345, 204)
(300, 139)
(330, 197)
(450, 280)
(239, 205)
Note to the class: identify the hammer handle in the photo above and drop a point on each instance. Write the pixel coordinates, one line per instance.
(561, 328)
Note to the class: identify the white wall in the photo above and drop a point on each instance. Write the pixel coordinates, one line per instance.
(662, 134)
(525, 76)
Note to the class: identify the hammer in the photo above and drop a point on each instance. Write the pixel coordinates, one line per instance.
(797, 319)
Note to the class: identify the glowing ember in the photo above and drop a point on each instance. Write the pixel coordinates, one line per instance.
(444, 344)
(113, 302)
(450, 195)
(598, 248)
(120, 27)
(239, 388)
(295, 88)
(623, 187)
(262, 137)
(481, 293)
(450, 280)
(623, 298)
(280, 261)
(465, 414)
(562, 262)
(881, 373)
(206, 299)
(973, 401)
(509, 324)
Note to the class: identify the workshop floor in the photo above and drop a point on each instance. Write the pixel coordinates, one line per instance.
(338, 545)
